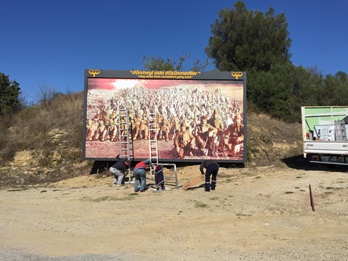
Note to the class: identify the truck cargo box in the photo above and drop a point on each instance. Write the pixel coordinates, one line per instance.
(324, 134)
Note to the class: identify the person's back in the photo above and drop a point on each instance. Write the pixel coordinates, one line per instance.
(119, 169)
(140, 175)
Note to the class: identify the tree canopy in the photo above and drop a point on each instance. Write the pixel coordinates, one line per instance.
(9, 95)
(245, 40)
(154, 63)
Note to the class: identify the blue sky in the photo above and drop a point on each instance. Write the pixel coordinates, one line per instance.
(48, 44)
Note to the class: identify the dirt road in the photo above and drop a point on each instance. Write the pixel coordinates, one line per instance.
(254, 214)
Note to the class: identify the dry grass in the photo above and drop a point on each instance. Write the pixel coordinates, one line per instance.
(48, 135)
(51, 133)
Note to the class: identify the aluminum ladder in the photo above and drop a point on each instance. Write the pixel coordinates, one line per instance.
(125, 138)
(153, 148)
(153, 141)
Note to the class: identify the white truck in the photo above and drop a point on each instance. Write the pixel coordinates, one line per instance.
(324, 134)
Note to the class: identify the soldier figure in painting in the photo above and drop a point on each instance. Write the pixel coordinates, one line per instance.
(184, 142)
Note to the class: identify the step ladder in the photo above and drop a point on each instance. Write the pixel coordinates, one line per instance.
(340, 131)
(125, 138)
(153, 142)
(153, 149)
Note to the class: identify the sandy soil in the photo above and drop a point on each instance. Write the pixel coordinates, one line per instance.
(254, 214)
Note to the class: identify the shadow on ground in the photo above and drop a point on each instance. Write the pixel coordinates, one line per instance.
(301, 163)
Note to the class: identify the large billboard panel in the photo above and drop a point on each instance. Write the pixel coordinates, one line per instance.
(199, 115)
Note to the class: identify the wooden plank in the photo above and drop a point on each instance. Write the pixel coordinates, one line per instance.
(194, 181)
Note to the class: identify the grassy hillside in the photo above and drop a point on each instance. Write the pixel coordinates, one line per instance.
(42, 143)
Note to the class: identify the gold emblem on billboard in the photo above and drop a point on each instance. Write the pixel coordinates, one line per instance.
(237, 75)
(94, 72)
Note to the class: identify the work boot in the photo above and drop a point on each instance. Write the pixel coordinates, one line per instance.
(212, 185)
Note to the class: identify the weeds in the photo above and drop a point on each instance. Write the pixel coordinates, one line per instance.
(242, 215)
(110, 198)
(199, 204)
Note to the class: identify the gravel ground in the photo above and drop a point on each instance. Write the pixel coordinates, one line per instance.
(254, 214)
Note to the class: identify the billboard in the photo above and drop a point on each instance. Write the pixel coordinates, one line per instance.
(199, 115)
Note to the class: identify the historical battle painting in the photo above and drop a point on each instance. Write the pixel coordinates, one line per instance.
(194, 119)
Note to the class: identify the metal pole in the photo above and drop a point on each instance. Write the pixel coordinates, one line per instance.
(311, 197)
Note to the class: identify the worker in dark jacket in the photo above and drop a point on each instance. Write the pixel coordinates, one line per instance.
(212, 169)
(119, 169)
